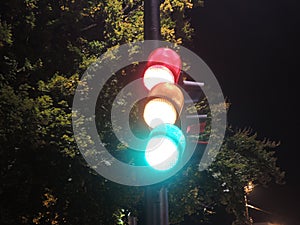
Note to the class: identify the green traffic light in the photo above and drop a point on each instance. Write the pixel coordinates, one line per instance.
(165, 146)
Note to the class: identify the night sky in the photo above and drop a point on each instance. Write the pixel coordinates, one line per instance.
(251, 46)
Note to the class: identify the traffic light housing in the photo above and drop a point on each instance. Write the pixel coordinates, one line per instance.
(165, 101)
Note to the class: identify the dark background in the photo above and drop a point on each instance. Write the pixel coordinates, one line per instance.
(252, 48)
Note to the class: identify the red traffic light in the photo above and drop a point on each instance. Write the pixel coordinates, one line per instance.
(164, 65)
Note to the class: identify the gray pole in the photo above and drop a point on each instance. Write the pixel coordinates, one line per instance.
(164, 208)
(152, 20)
(157, 210)
(149, 205)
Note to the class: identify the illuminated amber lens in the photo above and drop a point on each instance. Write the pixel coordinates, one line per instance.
(158, 111)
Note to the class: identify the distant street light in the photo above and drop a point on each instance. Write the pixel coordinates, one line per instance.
(248, 189)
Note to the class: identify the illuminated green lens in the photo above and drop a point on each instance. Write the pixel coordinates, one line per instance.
(165, 146)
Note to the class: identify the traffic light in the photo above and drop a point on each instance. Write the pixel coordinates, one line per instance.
(165, 101)
(163, 65)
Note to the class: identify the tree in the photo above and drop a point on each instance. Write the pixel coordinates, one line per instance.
(45, 46)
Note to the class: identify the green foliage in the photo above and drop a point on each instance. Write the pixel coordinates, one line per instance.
(5, 34)
(45, 46)
(242, 159)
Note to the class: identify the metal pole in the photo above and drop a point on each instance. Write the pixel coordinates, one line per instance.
(152, 20)
(164, 208)
(247, 210)
(157, 208)
(149, 205)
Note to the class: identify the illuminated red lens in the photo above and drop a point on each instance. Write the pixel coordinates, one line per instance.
(168, 58)
(157, 74)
